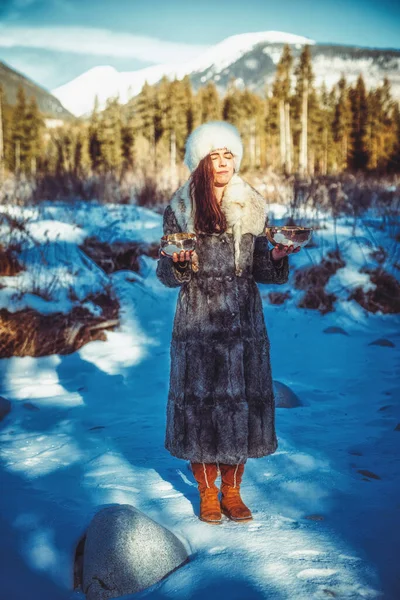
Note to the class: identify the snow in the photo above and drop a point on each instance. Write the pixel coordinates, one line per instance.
(230, 50)
(371, 71)
(95, 436)
(57, 275)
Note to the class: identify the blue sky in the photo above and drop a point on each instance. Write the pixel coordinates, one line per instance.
(53, 41)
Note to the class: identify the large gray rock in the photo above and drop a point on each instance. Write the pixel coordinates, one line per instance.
(5, 407)
(126, 552)
(284, 397)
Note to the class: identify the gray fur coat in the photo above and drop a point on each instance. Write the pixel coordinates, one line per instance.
(220, 403)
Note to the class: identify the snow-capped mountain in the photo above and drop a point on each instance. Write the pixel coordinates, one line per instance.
(250, 59)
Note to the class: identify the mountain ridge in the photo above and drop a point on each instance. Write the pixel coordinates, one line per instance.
(249, 58)
(49, 105)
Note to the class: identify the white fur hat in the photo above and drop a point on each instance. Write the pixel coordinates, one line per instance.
(212, 136)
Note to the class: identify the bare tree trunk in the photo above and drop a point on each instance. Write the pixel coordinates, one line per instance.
(282, 133)
(304, 132)
(344, 153)
(258, 152)
(325, 153)
(17, 156)
(172, 150)
(288, 140)
(311, 162)
(252, 144)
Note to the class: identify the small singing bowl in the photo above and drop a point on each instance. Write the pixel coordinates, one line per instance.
(289, 235)
(176, 242)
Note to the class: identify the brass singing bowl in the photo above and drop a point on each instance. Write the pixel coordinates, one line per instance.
(289, 235)
(176, 242)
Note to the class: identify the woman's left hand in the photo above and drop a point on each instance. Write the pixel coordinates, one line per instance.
(281, 251)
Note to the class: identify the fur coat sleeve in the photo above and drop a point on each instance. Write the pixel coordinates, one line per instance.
(172, 274)
(265, 268)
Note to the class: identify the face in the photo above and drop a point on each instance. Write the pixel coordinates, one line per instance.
(223, 166)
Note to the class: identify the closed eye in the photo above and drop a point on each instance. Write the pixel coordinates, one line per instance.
(226, 155)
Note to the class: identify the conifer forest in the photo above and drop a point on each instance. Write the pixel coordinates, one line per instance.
(294, 128)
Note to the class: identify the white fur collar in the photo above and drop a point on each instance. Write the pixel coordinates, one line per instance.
(244, 208)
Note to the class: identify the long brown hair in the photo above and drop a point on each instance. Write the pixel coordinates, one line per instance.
(209, 217)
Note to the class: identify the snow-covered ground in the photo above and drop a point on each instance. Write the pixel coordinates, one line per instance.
(87, 430)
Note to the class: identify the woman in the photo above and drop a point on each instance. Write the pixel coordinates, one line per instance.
(220, 404)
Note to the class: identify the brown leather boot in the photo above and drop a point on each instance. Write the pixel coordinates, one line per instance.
(205, 475)
(231, 503)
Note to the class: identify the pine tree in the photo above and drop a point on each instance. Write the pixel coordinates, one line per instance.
(33, 126)
(281, 92)
(394, 159)
(109, 132)
(232, 106)
(94, 141)
(342, 125)
(324, 142)
(359, 110)
(380, 135)
(315, 131)
(18, 132)
(127, 141)
(145, 122)
(271, 130)
(82, 159)
(251, 127)
(304, 80)
(209, 103)
(2, 152)
(177, 119)
(189, 104)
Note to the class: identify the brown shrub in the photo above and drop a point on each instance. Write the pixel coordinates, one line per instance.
(119, 255)
(317, 298)
(278, 297)
(9, 264)
(385, 297)
(313, 280)
(318, 275)
(29, 333)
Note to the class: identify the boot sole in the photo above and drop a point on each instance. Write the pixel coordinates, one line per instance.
(211, 522)
(227, 514)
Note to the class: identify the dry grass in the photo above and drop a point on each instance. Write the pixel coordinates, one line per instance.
(29, 333)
